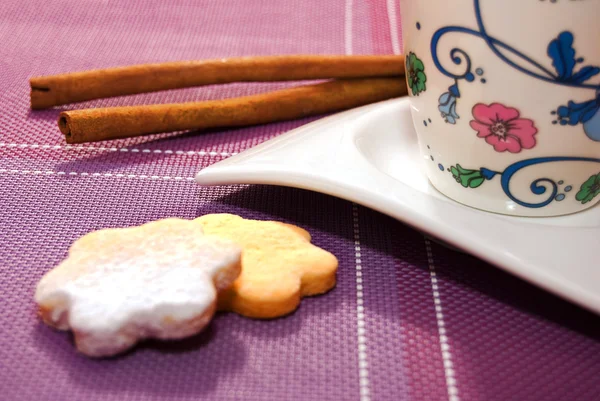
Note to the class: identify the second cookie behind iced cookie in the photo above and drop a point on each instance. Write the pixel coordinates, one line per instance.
(279, 266)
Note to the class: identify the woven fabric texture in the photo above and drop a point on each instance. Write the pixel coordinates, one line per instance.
(408, 319)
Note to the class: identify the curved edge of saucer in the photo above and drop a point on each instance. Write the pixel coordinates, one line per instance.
(400, 206)
(446, 235)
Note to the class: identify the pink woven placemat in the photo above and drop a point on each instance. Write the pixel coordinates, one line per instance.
(408, 320)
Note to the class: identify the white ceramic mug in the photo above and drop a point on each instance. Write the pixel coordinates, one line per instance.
(505, 99)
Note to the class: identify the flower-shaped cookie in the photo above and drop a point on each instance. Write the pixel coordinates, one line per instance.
(119, 286)
(279, 266)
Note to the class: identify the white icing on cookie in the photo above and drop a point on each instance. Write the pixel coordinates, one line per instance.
(118, 286)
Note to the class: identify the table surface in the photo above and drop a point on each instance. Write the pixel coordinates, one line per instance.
(408, 320)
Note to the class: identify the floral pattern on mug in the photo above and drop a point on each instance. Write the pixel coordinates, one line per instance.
(502, 127)
(466, 177)
(415, 74)
(447, 104)
(565, 61)
(589, 189)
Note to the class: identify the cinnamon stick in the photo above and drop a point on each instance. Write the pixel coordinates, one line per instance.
(48, 91)
(92, 125)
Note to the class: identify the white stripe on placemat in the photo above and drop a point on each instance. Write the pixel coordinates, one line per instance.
(103, 175)
(391, 9)
(439, 315)
(361, 331)
(348, 28)
(113, 149)
(363, 366)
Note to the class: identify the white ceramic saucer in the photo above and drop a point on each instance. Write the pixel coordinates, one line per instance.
(369, 155)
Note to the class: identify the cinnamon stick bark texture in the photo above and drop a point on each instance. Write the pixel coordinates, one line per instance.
(92, 125)
(54, 90)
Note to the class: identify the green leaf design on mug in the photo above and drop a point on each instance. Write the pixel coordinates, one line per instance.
(415, 74)
(467, 178)
(589, 189)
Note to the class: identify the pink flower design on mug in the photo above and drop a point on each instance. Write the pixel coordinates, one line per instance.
(502, 127)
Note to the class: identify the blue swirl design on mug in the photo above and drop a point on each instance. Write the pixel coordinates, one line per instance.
(474, 178)
(564, 61)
